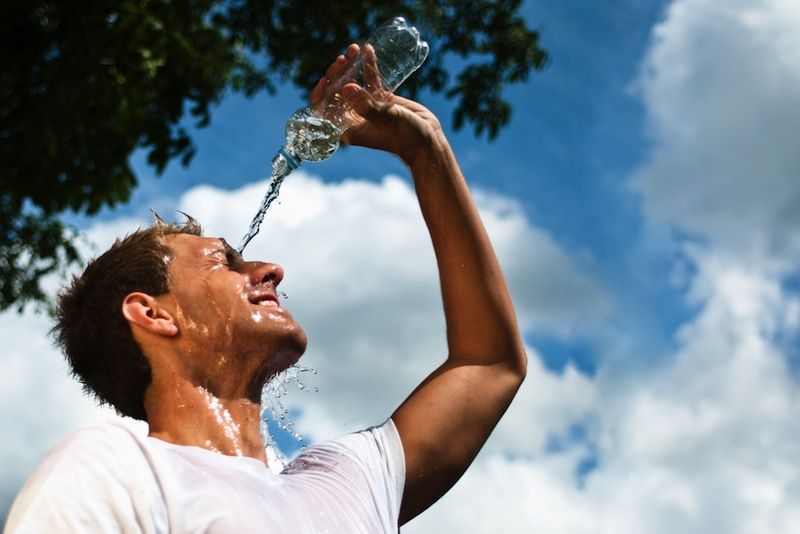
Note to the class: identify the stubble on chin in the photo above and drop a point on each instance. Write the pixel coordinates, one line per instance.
(277, 361)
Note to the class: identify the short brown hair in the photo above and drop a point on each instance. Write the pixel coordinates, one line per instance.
(90, 328)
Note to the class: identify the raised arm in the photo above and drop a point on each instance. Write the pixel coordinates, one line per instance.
(446, 420)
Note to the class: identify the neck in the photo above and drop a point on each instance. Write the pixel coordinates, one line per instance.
(182, 412)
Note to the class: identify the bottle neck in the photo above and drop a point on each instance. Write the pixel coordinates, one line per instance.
(292, 160)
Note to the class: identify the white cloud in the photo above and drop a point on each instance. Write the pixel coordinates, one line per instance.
(707, 442)
(710, 440)
(39, 403)
(546, 404)
(361, 278)
(512, 496)
(720, 86)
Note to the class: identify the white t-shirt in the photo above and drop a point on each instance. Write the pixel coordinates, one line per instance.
(110, 477)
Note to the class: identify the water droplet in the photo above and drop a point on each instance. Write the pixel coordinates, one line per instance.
(273, 408)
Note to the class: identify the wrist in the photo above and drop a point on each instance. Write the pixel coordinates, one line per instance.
(430, 148)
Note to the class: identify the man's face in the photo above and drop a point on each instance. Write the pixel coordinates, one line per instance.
(227, 310)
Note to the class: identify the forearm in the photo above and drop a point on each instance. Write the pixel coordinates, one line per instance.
(448, 417)
(481, 324)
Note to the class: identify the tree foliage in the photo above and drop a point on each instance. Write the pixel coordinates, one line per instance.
(84, 84)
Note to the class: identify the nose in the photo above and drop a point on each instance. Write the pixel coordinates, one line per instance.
(266, 272)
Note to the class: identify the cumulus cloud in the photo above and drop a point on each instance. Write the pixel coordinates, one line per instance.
(720, 85)
(502, 494)
(33, 391)
(361, 278)
(710, 444)
(708, 441)
(40, 404)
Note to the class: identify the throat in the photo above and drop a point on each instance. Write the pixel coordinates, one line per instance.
(193, 416)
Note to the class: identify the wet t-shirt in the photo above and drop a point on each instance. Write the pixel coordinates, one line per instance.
(111, 477)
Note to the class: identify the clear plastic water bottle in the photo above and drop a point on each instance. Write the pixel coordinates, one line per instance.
(313, 133)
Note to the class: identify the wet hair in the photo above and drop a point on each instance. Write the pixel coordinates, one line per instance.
(90, 329)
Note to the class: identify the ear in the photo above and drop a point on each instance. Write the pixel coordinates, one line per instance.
(144, 311)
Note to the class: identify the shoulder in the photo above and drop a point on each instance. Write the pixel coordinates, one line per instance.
(379, 443)
(87, 479)
(110, 431)
(96, 450)
(373, 456)
(357, 480)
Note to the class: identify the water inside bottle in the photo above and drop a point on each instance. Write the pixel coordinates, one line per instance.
(311, 137)
(390, 56)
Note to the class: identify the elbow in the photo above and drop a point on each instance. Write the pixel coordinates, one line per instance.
(521, 364)
(517, 363)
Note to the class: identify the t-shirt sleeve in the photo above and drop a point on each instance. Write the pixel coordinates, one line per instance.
(380, 452)
(97, 480)
(376, 455)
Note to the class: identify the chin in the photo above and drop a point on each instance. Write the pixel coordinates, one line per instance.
(278, 358)
(291, 352)
(289, 344)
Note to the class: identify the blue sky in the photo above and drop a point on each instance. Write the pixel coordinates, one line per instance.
(575, 137)
(643, 203)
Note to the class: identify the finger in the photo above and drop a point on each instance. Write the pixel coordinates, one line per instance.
(363, 102)
(316, 92)
(372, 79)
(341, 60)
(411, 105)
(336, 66)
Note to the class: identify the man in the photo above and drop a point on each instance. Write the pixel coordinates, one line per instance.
(177, 329)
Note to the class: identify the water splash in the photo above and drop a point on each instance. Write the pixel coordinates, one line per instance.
(282, 165)
(273, 409)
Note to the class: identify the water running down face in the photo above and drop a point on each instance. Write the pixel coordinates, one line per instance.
(231, 323)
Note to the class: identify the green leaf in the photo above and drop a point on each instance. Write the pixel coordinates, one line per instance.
(83, 86)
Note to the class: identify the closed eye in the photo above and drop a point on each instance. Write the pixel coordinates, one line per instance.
(232, 257)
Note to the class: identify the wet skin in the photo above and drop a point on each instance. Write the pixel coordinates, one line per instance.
(212, 341)
(211, 374)
(229, 309)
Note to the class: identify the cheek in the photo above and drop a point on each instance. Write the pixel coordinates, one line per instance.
(214, 302)
(257, 316)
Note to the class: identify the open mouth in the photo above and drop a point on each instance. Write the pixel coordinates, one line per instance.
(265, 299)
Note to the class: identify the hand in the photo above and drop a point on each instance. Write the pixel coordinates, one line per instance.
(382, 120)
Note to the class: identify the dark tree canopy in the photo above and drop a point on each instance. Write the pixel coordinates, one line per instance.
(84, 84)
